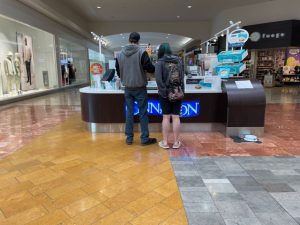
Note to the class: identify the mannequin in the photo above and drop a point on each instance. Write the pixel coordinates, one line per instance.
(10, 71)
(18, 72)
(27, 60)
(1, 76)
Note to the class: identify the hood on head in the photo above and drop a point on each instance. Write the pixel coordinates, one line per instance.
(169, 59)
(131, 49)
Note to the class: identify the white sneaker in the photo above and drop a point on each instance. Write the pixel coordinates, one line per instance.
(162, 145)
(177, 145)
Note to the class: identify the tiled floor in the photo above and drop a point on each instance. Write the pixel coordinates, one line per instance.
(54, 172)
(68, 176)
(24, 121)
(240, 190)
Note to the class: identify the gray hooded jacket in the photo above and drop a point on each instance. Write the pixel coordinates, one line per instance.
(132, 73)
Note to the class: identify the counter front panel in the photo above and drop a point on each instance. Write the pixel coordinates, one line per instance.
(110, 107)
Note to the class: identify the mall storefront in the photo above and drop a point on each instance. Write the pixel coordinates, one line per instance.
(34, 61)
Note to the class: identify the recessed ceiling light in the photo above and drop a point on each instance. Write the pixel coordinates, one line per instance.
(178, 17)
(189, 6)
(98, 7)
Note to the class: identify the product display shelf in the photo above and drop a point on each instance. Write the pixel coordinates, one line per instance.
(265, 62)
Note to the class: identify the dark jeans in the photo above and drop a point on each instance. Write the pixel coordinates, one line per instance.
(141, 97)
(28, 70)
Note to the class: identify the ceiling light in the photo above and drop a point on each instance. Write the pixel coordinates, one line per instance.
(169, 34)
(189, 6)
(178, 17)
(222, 35)
(98, 7)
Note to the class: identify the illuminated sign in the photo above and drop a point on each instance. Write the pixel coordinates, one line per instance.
(238, 38)
(188, 109)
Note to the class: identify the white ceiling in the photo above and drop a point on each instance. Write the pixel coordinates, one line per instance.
(115, 42)
(153, 10)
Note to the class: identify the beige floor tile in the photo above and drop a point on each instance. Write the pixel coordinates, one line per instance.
(67, 187)
(121, 186)
(151, 184)
(15, 197)
(65, 165)
(123, 199)
(92, 215)
(169, 175)
(41, 188)
(124, 166)
(11, 208)
(54, 218)
(99, 196)
(153, 216)
(144, 203)
(119, 217)
(25, 217)
(174, 201)
(177, 218)
(16, 187)
(80, 206)
(98, 184)
(167, 189)
(69, 198)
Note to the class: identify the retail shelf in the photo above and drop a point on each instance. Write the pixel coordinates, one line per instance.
(287, 75)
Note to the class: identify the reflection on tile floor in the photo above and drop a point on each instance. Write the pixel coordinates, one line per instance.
(239, 190)
(24, 121)
(280, 139)
(70, 177)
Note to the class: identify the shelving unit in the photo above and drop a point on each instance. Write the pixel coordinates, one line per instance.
(265, 61)
(291, 79)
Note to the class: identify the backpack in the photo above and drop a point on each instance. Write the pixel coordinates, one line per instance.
(175, 92)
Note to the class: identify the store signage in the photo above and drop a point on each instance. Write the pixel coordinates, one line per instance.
(188, 109)
(238, 38)
(257, 36)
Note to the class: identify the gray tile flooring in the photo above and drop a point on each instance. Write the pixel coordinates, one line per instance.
(240, 190)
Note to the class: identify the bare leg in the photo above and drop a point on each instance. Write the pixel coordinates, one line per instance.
(176, 127)
(166, 128)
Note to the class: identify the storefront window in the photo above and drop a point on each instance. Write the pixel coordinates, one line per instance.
(73, 63)
(27, 59)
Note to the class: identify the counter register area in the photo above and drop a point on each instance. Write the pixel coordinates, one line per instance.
(231, 107)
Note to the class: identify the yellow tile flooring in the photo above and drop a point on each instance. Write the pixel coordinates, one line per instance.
(69, 176)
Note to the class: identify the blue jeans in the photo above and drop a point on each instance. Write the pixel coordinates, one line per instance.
(141, 97)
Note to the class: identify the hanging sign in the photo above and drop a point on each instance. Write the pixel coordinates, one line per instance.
(238, 38)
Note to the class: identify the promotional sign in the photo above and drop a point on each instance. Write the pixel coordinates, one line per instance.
(238, 38)
(293, 58)
(188, 109)
(97, 67)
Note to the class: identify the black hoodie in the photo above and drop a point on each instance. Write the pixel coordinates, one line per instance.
(162, 74)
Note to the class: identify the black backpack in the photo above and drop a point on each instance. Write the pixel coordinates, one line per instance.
(175, 92)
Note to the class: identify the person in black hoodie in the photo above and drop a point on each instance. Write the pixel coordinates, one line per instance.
(131, 66)
(169, 109)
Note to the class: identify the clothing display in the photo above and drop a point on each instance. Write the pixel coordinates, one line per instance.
(10, 71)
(27, 60)
(18, 71)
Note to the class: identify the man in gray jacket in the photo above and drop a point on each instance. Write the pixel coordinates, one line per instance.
(131, 65)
